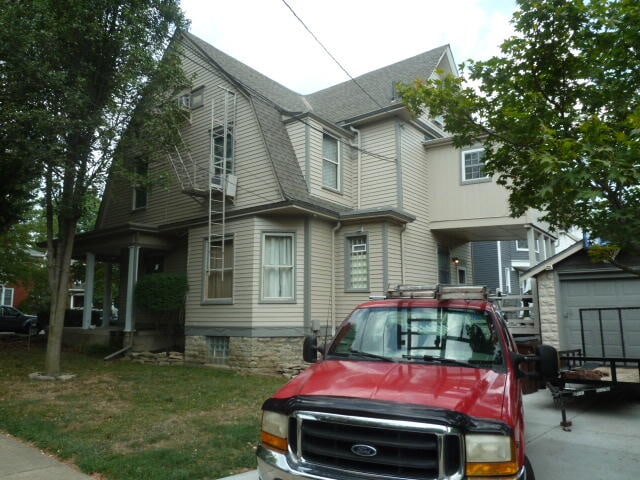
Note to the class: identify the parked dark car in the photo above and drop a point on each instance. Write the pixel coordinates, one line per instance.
(13, 320)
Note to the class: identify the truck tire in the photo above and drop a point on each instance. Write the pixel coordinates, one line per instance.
(529, 475)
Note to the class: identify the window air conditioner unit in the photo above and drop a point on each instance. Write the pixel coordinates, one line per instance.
(359, 248)
(231, 184)
(185, 101)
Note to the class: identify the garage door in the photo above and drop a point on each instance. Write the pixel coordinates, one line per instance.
(602, 316)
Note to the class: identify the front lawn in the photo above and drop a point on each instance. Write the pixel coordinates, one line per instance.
(130, 421)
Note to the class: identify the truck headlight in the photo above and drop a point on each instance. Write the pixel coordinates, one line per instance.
(274, 430)
(490, 455)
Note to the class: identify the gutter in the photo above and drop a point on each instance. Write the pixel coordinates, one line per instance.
(333, 278)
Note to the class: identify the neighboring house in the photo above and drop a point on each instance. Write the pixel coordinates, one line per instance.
(287, 210)
(591, 306)
(13, 294)
(498, 265)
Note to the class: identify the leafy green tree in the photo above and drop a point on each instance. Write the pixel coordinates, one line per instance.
(558, 112)
(91, 70)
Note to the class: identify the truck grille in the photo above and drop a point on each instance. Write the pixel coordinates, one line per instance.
(375, 446)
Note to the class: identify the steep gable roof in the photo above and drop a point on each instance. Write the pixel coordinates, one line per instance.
(347, 100)
(337, 103)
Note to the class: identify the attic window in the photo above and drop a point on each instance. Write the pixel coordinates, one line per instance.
(192, 100)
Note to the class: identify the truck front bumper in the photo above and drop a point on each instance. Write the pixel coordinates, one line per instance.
(275, 466)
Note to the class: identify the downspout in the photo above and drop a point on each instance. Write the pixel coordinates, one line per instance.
(499, 266)
(333, 277)
(402, 230)
(359, 166)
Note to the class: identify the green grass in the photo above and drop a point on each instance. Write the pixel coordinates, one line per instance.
(130, 421)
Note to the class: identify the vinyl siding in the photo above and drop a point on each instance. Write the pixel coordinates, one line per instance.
(321, 260)
(238, 314)
(167, 203)
(298, 134)
(315, 181)
(420, 248)
(379, 172)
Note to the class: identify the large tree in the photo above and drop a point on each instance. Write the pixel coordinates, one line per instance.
(89, 71)
(558, 112)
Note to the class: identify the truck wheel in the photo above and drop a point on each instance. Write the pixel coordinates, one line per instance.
(529, 475)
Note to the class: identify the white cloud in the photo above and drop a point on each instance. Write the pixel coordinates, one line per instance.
(361, 34)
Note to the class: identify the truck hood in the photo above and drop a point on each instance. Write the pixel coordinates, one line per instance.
(472, 391)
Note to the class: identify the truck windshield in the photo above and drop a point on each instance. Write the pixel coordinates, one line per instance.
(455, 336)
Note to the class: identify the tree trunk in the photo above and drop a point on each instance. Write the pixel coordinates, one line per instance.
(59, 272)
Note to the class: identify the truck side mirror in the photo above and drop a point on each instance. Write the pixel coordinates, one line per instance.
(545, 363)
(310, 349)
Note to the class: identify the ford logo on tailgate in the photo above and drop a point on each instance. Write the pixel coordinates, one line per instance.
(364, 450)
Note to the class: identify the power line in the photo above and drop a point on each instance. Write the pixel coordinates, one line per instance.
(332, 57)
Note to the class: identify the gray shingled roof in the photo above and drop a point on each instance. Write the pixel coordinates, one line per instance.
(339, 102)
(253, 80)
(347, 100)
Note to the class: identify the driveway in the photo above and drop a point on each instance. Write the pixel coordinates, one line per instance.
(603, 444)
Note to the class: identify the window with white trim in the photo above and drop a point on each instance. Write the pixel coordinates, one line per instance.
(278, 274)
(473, 165)
(357, 260)
(330, 162)
(219, 277)
(7, 296)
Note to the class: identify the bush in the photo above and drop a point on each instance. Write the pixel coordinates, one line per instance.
(161, 292)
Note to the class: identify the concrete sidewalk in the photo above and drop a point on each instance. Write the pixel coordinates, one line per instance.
(604, 443)
(20, 461)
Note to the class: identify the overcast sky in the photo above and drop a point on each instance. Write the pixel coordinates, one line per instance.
(361, 34)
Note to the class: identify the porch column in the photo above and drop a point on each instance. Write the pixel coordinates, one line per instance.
(106, 304)
(132, 279)
(550, 249)
(90, 269)
(531, 243)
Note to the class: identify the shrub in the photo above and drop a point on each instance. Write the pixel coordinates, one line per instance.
(161, 292)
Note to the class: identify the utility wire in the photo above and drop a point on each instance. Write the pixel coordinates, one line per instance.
(332, 57)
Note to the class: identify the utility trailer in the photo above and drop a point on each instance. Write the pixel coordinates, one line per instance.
(584, 376)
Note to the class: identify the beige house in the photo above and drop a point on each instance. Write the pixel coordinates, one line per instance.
(287, 210)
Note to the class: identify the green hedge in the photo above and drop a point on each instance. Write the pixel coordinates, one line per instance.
(161, 292)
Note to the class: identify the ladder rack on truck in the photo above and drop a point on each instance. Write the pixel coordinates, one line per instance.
(582, 376)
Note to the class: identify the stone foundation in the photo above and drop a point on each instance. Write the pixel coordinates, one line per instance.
(265, 355)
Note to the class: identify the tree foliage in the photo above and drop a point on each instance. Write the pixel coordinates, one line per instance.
(89, 70)
(558, 112)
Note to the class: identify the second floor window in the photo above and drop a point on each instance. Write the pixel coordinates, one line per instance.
(357, 263)
(278, 266)
(330, 162)
(222, 152)
(473, 165)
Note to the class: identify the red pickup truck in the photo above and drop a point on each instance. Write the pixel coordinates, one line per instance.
(421, 384)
